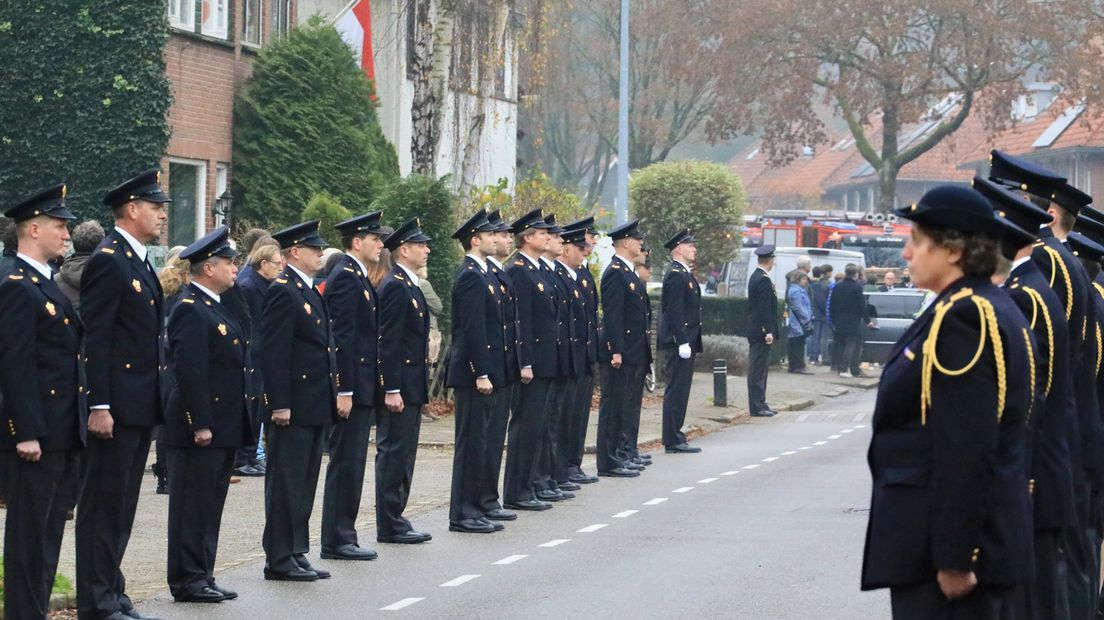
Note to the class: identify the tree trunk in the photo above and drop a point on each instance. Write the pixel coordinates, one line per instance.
(425, 109)
(887, 173)
(887, 187)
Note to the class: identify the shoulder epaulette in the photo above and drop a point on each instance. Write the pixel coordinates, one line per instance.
(399, 276)
(281, 281)
(107, 250)
(15, 277)
(519, 263)
(187, 300)
(989, 329)
(349, 269)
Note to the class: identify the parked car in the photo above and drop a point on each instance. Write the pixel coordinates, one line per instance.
(894, 311)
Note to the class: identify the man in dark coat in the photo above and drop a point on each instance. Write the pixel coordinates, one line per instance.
(849, 313)
(679, 337)
(40, 370)
(584, 392)
(573, 419)
(762, 329)
(404, 379)
(352, 303)
(206, 419)
(121, 304)
(626, 352)
(301, 396)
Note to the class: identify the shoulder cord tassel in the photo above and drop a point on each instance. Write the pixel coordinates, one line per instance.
(1056, 265)
(1031, 369)
(1040, 305)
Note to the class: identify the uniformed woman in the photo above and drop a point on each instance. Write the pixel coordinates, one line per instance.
(950, 518)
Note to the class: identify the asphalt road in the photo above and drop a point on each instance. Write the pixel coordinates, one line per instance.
(767, 522)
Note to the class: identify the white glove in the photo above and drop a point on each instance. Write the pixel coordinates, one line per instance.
(684, 351)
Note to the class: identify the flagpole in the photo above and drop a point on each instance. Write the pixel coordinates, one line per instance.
(622, 207)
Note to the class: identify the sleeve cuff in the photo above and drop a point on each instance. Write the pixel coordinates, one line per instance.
(100, 407)
(344, 393)
(393, 391)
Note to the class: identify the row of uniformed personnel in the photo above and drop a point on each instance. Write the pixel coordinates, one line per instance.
(525, 355)
(988, 438)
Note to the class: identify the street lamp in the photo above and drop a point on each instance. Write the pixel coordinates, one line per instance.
(223, 205)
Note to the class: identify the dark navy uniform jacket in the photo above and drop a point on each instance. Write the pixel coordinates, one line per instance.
(501, 279)
(122, 307)
(404, 338)
(949, 452)
(762, 307)
(253, 287)
(625, 314)
(590, 293)
(297, 358)
(207, 359)
(1053, 416)
(40, 365)
(1070, 283)
(352, 303)
(579, 321)
(478, 340)
(563, 319)
(680, 318)
(536, 314)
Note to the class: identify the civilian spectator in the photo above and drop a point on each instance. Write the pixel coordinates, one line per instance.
(799, 321)
(85, 238)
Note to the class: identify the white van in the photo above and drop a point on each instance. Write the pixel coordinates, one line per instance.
(735, 274)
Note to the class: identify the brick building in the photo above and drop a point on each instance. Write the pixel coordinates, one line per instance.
(208, 57)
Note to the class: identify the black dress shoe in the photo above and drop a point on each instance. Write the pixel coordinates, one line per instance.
(619, 472)
(471, 526)
(498, 527)
(248, 471)
(647, 458)
(548, 495)
(766, 413)
(637, 467)
(582, 479)
(406, 538)
(206, 594)
(528, 504)
(568, 486)
(684, 448)
(227, 594)
(301, 560)
(348, 551)
(501, 514)
(133, 613)
(639, 461)
(295, 574)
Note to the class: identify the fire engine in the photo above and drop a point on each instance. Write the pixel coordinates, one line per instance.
(880, 237)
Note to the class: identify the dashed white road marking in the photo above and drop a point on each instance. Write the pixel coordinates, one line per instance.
(624, 514)
(730, 473)
(805, 448)
(803, 417)
(752, 466)
(554, 543)
(459, 581)
(706, 480)
(859, 417)
(683, 489)
(848, 430)
(859, 426)
(770, 459)
(788, 452)
(655, 501)
(592, 528)
(406, 602)
(819, 443)
(509, 560)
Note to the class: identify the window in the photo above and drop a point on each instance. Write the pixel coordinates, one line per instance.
(182, 14)
(251, 22)
(188, 189)
(281, 17)
(221, 177)
(216, 18)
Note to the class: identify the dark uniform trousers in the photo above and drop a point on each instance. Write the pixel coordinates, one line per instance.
(758, 359)
(575, 443)
(345, 476)
(473, 412)
(676, 396)
(630, 416)
(113, 471)
(619, 385)
(38, 496)
(565, 431)
(397, 448)
(294, 455)
(546, 466)
(1048, 596)
(198, 481)
(927, 602)
(491, 473)
(523, 450)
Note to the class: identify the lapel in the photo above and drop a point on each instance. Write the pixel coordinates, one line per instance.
(50, 290)
(306, 289)
(139, 268)
(219, 310)
(363, 277)
(415, 294)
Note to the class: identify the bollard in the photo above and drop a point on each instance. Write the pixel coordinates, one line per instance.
(720, 383)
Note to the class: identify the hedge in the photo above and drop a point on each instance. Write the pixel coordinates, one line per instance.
(726, 316)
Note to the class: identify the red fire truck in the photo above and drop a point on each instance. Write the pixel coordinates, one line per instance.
(879, 237)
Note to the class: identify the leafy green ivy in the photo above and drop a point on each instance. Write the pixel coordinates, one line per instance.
(84, 96)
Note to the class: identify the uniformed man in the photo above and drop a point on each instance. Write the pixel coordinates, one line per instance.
(352, 303)
(206, 416)
(950, 518)
(679, 337)
(567, 431)
(121, 304)
(404, 378)
(476, 371)
(762, 328)
(537, 357)
(625, 351)
(301, 395)
(40, 349)
(1090, 223)
(1052, 418)
(1067, 278)
(584, 393)
(548, 489)
(489, 498)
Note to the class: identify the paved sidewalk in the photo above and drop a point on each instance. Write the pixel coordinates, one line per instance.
(243, 520)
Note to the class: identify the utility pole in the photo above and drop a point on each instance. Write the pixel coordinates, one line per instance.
(622, 209)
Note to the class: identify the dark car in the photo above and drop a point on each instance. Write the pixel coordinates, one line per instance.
(893, 311)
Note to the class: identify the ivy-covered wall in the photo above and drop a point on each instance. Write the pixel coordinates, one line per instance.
(83, 96)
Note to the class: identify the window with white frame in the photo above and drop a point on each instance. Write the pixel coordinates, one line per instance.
(188, 190)
(216, 18)
(252, 20)
(221, 177)
(182, 14)
(281, 17)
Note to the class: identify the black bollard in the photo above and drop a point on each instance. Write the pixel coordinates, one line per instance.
(720, 383)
